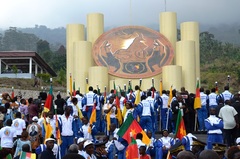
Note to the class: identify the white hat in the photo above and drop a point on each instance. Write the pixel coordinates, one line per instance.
(86, 143)
(49, 139)
(238, 141)
(81, 139)
(35, 118)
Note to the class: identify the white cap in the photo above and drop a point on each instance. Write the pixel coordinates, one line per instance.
(86, 143)
(35, 118)
(49, 139)
(81, 139)
(238, 140)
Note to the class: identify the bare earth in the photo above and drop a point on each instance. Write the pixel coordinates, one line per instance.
(26, 89)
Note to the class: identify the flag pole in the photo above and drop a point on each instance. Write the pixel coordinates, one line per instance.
(216, 87)
(169, 106)
(140, 84)
(228, 78)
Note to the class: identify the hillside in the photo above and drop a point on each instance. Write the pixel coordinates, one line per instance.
(25, 87)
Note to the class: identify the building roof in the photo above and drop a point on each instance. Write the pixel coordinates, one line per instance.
(15, 55)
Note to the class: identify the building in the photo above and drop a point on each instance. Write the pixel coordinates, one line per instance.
(23, 64)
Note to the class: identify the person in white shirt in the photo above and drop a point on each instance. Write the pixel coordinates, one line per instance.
(139, 137)
(120, 144)
(163, 144)
(212, 97)
(202, 112)
(80, 98)
(226, 95)
(89, 150)
(80, 143)
(7, 134)
(110, 110)
(88, 102)
(41, 120)
(18, 124)
(75, 107)
(150, 148)
(230, 122)
(87, 131)
(122, 100)
(68, 129)
(164, 109)
(146, 113)
(51, 119)
(214, 125)
(130, 110)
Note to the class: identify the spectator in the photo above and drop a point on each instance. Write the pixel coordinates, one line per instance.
(25, 148)
(73, 153)
(48, 153)
(230, 122)
(18, 144)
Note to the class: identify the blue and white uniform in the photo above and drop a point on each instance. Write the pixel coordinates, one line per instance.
(164, 110)
(202, 112)
(146, 113)
(88, 103)
(214, 125)
(68, 132)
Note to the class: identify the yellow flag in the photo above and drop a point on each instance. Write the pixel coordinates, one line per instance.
(138, 98)
(160, 88)
(71, 84)
(48, 129)
(124, 110)
(87, 85)
(170, 97)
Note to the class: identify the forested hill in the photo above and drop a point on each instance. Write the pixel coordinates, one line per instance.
(219, 50)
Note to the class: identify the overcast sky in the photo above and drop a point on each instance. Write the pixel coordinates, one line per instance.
(59, 13)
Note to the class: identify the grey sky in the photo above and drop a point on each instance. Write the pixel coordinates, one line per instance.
(59, 13)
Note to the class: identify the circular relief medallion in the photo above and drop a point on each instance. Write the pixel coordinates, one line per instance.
(133, 52)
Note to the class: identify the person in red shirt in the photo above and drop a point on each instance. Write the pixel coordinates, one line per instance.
(142, 152)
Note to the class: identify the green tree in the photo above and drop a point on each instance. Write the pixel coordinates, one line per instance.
(42, 46)
(16, 40)
(15, 70)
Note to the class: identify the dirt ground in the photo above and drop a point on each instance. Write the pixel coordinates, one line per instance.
(25, 87)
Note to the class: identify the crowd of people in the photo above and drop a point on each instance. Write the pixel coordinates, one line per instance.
(25, 124)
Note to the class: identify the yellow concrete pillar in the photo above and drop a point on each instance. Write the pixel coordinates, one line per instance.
(172, 76)
(82, 62)
(74, 32)
(98, 75)
(168, 27)
(185, 57)
(95, 27)
(190, 31)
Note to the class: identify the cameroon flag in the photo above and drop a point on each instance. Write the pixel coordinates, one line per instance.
(132, 150)
(49, 100)
(197, 100)
(180, 127)
(27, 155)
(132, 126)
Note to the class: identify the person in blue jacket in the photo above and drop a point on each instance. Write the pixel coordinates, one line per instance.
(68, 129)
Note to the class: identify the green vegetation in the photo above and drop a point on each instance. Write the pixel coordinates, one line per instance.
(218, 60)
